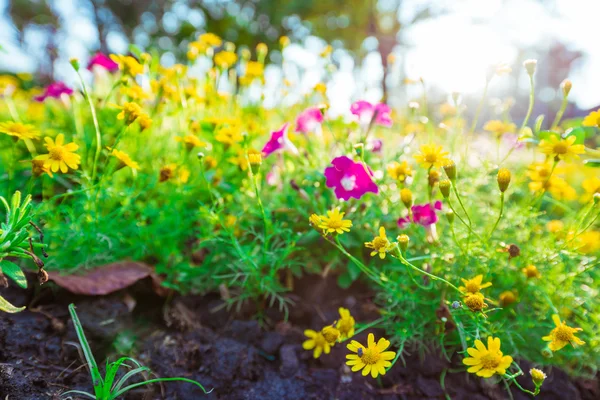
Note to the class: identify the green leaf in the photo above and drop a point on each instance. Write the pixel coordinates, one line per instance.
(579, 134)
(538, 124)
(135, 50)
(344, 280)
(13, 271)
(545, 135)
(9, 308)
(592, 163)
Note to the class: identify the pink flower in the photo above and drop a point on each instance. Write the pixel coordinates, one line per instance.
(425, 215)
(375, 145)
(279, 142)
(350, 179)
(54, 90)
(309, 121)
(422, 214)
(365, 111)
(102, 61)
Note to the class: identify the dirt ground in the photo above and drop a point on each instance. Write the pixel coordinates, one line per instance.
(197, 338)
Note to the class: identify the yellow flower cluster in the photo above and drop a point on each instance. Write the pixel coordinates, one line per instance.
(322, 341)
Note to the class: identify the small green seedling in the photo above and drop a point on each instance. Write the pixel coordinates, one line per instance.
(16, 241)
(107, 388)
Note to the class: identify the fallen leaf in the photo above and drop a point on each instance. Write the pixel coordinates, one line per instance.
(9, 308)
(107, 279)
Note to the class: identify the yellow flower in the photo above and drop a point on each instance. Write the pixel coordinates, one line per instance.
(135, 92)
(331, 334)
(210, 39)
(588, 242)
(499, 128)
(166, 172)
(314, 220)
(474, 285)
(592, 119)
(317, 342)
(145, 121)
(475, 301)
(124, 158)
(555, 226)
(60, 156)
(190, 141)
(345, 324)
(399, 171)
(321, 88)
(591, 187)
(372, 359)
(129, 112)
(486, 362)
(129, 65)
(183, 175)
(562, 149)
(432, 156)
(562, 335)
(334, 222)
(229, 135)
(38, 168)
(255, 159)
(19, 130)
(254, 70)
(531, 271)
(537, 376)
(380, 244)
(507, 298)
(225, 59)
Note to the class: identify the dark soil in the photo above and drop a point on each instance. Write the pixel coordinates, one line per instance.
(197, 338)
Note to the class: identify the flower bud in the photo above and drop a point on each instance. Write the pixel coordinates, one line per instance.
(450, 169)
(262, 49)
(359, 149)
(200, 155)
(503, 179)
(75, 63)
(403, 241)
(530, 66)
(255, 160)
(450, 216)
(445, 185)
(596, 198)
(406, 197)
(434, 177)
(456, 304)
(546, 352)
(537, 376)
(566, 86)
(284, 41)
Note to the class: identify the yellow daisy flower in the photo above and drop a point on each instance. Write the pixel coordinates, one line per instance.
(432, 155)
(486, 362)
(345, 324)
(592, 119)
(210, 39)
(124, 158)
(562, 149)
(190, 141)
(334, 222)
(225, 59)
(60, 156)
(166, 172)
(591, 187)
(316, 342)
(399, 171)
(331, 334)
(475, 301)
(474, 285)
(129, 65)
(531, 271)
(380, 244)
(19, 130)
(372, 359)
(499, 128)
(562, 335)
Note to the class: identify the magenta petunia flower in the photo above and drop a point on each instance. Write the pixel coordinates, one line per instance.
(425, 215)
(279, 142)
(54, 90)
(309, 121)
(350, 179)
(365, 111)
(102, 61)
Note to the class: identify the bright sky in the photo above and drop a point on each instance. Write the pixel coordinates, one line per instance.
(452, 52)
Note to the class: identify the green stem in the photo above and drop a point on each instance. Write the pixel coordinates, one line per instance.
(499, 216)
(527, 116)
(96, 126)
(434, 277)
(560, 113)
(372, 275)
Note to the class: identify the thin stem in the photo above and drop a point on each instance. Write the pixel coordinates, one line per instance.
(356, 261)
(499, 216)
(96, 126)
(434, 277)
(527, 116)
(560, 113)
(461, 204)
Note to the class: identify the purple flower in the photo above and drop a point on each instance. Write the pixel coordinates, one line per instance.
(425, 215)
(54, 90)
(375, 145)
(102, 61)
(350, 179)
(309, 121)
(365, 111)
(279, 142)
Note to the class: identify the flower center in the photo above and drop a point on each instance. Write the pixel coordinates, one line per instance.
(490, 361)
(561, 148)
(334, 223)
(57, 153)
(431, 158)
(380, 243)
(18, 128)
(370, 356)
(563, 333)
(472, 287)
(348, 182)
